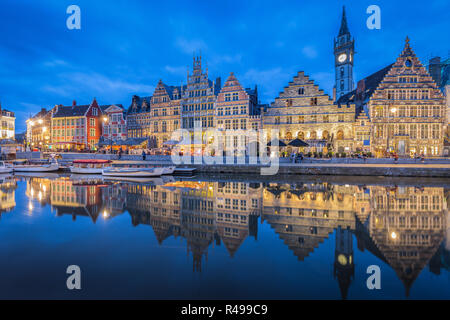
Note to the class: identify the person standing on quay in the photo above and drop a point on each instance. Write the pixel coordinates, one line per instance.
(143, 155)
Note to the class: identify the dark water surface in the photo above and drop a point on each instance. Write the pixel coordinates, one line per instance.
(216, 238)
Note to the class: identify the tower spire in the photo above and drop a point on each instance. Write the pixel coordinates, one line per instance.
(344, 27)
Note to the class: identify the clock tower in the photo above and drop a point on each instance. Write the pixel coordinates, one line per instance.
(344, 48)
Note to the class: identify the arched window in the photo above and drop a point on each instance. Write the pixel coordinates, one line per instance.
(288, 135)
(300, 135)
(340, 135)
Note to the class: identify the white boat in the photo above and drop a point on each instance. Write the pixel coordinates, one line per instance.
(4, 168)
(168, 170)
(86, 166)
(45, 167)
(132, 172)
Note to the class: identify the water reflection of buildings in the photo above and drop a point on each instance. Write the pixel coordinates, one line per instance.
(406, 227)
(8, 186)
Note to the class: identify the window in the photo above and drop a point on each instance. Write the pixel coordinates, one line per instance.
(301, 119)
(235, 96)
(243, 124)
(227, 97)
(314, 101)
(94, 112)
(301, 91)
(92, 122)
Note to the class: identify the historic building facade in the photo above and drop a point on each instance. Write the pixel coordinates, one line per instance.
(7, 121)
(114, 123)
(39, 130)
(407, 110)
(76, 127)
(165, 113)
(197, 103)
(138, 117)
(302, 110)
(236, 111)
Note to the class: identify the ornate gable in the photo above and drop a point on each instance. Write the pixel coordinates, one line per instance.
(300, 91)
(408, 72)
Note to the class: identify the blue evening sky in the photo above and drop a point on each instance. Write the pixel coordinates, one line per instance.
(125, 47)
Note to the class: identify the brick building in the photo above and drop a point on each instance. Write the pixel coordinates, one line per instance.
(76, 127)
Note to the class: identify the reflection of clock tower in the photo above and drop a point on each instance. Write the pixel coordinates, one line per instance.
(344, 47)
(344, 268)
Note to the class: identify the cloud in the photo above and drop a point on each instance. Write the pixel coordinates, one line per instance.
(190, 46)
(310, 52)
(75, 83)
(55, 63)
(236, 58)
(179, 70)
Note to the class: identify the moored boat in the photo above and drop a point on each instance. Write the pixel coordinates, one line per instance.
(132, 172)
(53, 165)
(4, 168)
(87, 166)
(168, 170)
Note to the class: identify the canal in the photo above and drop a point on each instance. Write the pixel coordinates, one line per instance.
(219, 237)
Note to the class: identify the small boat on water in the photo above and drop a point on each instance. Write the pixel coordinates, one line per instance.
(132, 172)
(88, 166)
(4, 168)
(28, 166)
(137, 169)
(168, 170)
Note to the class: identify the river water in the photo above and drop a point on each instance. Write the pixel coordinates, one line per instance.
(219, 237)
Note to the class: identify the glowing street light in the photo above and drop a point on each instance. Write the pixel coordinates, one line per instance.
(40, 121)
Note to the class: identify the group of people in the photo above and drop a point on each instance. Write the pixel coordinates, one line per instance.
(296, 157)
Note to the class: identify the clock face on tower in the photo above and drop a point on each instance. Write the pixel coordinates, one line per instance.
(342, 57)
